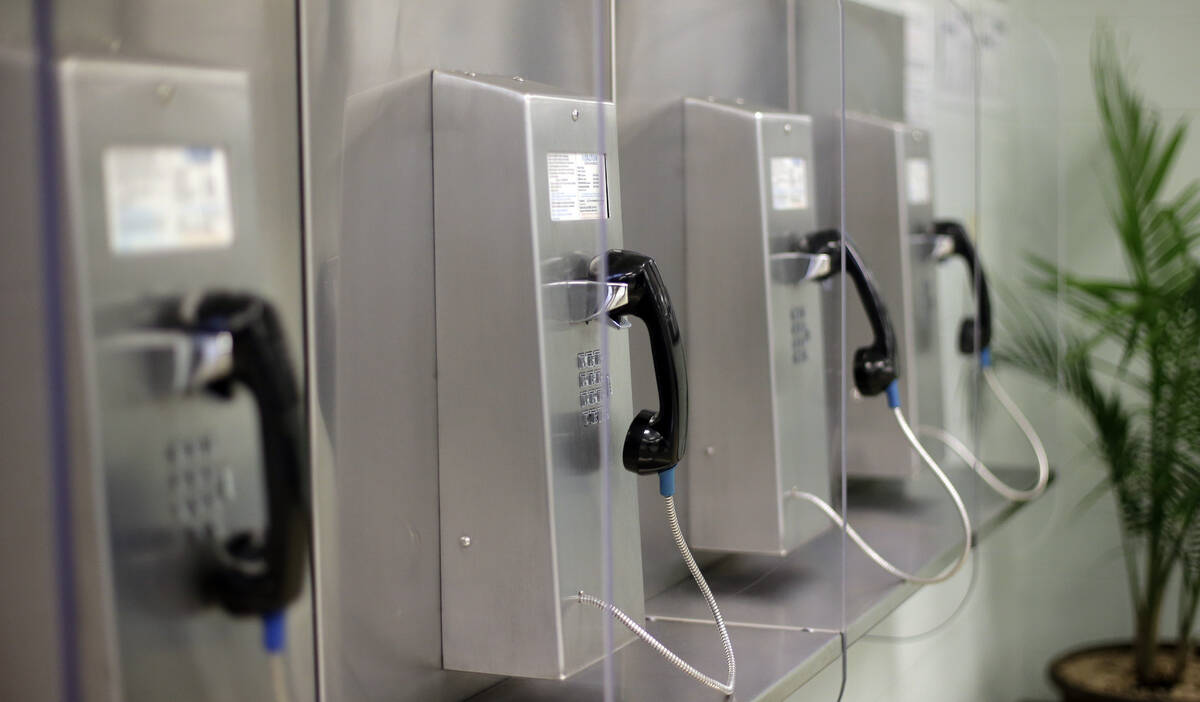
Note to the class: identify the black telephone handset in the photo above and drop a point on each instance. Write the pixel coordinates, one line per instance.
(981, 323)
(255, 575)
(656, 440)
(874, 364)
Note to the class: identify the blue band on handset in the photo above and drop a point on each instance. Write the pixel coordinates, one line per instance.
(274, 632)
(985, 357)
(666, 482)
(893, 394)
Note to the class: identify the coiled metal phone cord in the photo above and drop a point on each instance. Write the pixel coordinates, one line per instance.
(984, 472)
(658, 646)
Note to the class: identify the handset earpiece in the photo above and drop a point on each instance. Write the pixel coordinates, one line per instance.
(656, 440)
(259, 574)
(874, 364)
(981, 323)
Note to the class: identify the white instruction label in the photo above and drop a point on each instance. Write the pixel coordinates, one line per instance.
(919, 186)
(789, 183)
(167, 198)
(578, 186)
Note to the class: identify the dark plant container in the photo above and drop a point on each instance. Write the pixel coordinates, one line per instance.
(1072, 692)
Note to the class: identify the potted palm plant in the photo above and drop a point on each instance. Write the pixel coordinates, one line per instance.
(1128, 354)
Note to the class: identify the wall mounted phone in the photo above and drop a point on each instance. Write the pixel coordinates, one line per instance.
(534, 402)
(754, 328)
(197, 409)
(875, 372)
(888, 199)
(763, 396)
(975, 338)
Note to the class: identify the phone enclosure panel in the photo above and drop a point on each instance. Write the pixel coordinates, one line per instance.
(521, 385)
(759, 426)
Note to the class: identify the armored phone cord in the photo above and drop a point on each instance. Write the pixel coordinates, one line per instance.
(667, 489)
(894, 403)
(1026, 428)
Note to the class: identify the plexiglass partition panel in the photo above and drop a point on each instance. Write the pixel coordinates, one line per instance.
(721, 186)
(465, 192)
(908, 206)
(174, 366)
(35, 638)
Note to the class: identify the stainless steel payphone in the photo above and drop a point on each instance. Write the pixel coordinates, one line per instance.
(888, 202)
(197, 410)
(755, 329)
(526, 374)
(761, 337)
(536, 432)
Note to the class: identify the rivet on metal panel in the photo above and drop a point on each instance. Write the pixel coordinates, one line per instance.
(710, 450)
(574, 115)
(464, 541)
(165, 91)
(787, 128)
(519, 79)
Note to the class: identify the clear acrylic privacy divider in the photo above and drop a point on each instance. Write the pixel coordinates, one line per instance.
(719, 188)
(38, 632)
(464, 189)
(910, 205)
(1021, 417)
(962, 169)
(170, 371)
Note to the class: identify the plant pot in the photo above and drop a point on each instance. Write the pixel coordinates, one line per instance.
(1104, 673)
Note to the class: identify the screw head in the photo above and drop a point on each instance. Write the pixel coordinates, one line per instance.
(787, 128)
(575, 115)
(519, 79)
(464, 541)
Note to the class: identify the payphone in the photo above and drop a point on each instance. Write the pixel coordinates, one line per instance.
(888, 197)
(760, 339)
(755, 328)
(974, 339)
(537, 434)
(197, 412)
(888, 200)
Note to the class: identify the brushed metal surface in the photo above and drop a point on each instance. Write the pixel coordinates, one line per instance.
(667, 50)
(890, 232)
(520, 469)
(163, 457)
(369, 218)
(758, 400)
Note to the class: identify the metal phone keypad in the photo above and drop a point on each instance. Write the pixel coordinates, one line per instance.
(199, 485)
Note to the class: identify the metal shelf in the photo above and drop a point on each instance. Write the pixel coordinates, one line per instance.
(783, 613)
